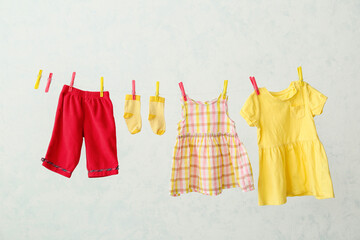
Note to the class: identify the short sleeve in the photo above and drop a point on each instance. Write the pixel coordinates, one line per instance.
(250, 110)
(316, 100)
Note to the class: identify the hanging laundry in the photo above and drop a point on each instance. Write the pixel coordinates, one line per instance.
(208, 155)
(83, 114)
(132, 113)
(156, 113)
(292, 159)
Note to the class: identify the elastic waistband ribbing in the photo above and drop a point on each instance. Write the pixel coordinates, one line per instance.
(79, 92)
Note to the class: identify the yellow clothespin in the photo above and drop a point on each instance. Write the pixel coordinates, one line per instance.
(157, 90)
(225, 89)
(101, 86)
(38, 80)
(300, 75)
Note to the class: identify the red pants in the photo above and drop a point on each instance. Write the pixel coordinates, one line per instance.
(83, 114)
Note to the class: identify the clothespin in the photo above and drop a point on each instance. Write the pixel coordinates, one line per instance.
(101, 86)
(181, 85)
(253, 81)
(157, 90)
(225, 88)
(72, 81)
(38, 80)
(48, 83)
(133, 90)
(300, 75)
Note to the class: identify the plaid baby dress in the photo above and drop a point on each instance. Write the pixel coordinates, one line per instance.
(208, 155)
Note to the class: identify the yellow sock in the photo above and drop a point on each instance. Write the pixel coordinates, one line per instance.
(156, 114)
(132, 113)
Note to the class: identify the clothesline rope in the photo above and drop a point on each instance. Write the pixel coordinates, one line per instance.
(308, 78)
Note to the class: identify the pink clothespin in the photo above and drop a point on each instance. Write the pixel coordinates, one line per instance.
(133, 90)
(72, 81)
(181, 85)
(48, 83)
(253, 81)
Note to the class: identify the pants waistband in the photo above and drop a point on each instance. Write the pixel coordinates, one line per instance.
(79, 92)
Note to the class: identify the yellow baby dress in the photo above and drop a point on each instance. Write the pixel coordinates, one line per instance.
(292, 159)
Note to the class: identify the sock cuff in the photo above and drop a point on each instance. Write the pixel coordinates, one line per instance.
(157, 99)
(130, 97)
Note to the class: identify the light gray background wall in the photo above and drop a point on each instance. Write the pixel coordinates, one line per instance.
(200, 43)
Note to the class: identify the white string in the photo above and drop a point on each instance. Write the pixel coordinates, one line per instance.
(309, 76)
(215, 93)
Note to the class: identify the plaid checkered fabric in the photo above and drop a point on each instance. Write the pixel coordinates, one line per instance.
(208, 155)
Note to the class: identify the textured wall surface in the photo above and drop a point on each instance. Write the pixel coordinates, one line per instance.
(200, 43)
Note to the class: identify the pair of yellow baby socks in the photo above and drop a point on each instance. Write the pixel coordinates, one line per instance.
(156, 113)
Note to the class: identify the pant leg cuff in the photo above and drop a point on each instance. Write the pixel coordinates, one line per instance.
(51, 166)
(103, 172)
